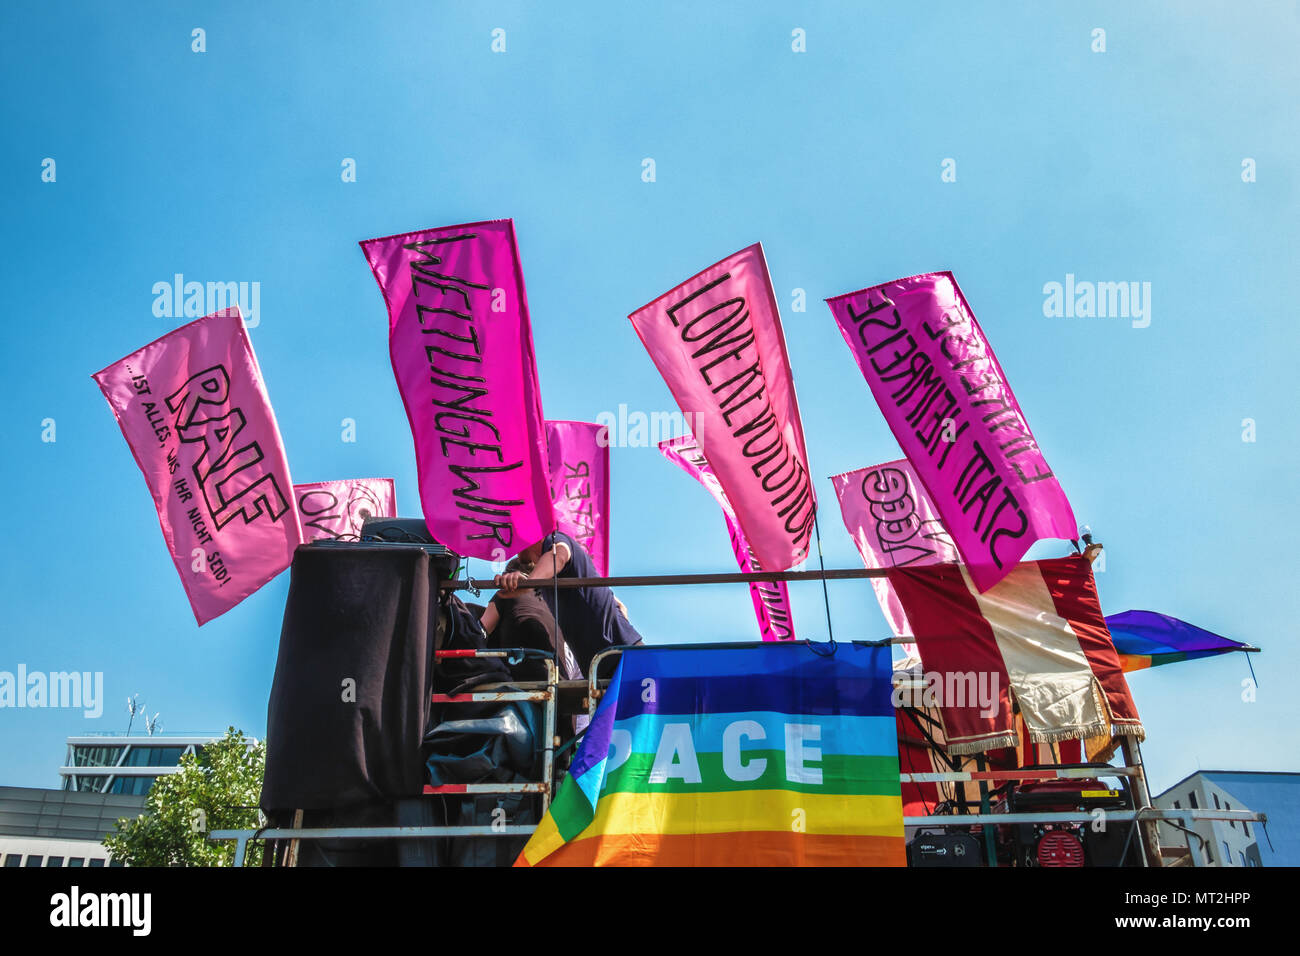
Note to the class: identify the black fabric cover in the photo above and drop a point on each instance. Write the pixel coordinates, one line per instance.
(526, 621)
(368, 614)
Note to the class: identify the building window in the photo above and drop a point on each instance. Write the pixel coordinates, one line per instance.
(1242, 856)
(1177, 805)
(81, 860)
(116, 863)
(1216, 802)
(96, 756)
(96, 861)
(154, 756)
(54, 861)
(1227, 854)
(34, 860)
(1191, 797)
(14, 859)
(1245, 825)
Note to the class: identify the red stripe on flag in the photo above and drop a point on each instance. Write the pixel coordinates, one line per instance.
(953, 636)
(1074, 592)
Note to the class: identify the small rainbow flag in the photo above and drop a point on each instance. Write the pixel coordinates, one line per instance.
(776, 755)
(1146, 639)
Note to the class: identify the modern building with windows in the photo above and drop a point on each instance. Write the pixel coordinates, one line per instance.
(1237, 842)
(121, 764)
(42, 828)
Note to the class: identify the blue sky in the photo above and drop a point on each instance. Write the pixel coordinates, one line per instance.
(225, 166)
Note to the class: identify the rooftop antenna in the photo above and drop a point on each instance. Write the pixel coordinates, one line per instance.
(133, 707)
(152, 724)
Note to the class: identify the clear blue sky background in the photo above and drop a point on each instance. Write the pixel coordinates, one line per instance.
(225, 165)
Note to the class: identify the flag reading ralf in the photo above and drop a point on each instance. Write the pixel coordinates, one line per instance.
(768, 755)
(339, 509)
(578, 463)
(194, 409)
(891, 520)
(771, 598)
(717, 341)
(949, 405)
(461, 345)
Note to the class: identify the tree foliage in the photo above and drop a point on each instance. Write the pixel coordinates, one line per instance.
(217, 791)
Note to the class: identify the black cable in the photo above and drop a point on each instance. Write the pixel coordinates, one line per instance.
(826, 596)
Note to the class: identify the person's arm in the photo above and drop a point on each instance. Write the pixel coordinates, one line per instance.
(549, 565)
(491, 617)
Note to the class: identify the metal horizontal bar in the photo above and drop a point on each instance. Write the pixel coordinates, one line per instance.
(1069, 773)
(1120, 816)
(531, 787)
(651, 580)
(367, 833)
(490, 696)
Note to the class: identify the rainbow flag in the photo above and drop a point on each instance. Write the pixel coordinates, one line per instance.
(776, 755)
(1147, 639)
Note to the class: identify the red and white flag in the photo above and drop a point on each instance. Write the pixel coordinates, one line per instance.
(1037, 634)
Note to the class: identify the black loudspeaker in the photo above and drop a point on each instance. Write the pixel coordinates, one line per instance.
(411, 531)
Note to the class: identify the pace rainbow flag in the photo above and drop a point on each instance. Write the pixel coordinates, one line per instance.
(773, 755)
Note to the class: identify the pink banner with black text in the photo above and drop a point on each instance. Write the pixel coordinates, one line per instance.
(894, 525)
(771, 598)
(194, 410)
(461, 345)
(717, 341)
(948, 403)
(578, 462)
(338, 509)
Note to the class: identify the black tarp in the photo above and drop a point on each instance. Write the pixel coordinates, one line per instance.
(368, 616)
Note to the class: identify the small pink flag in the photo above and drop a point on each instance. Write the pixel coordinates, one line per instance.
(578, 461)
(462, 350)
(338, 509)
(717, 341)
(948, 403)
(194, 409)
(771, 598)
(894, 525)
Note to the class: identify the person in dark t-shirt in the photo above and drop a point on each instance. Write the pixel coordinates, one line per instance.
(522, 619)
(590, 617)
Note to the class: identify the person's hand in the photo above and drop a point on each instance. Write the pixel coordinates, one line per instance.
(509, 582)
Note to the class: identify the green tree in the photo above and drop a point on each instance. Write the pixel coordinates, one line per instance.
(217, 791)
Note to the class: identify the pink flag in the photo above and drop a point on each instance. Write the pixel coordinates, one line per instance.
(948, 403)
(891, 520)
(716, 339)
(578, 461)
(771, 599)
(333, 509)
(194, 410)
(462, 351)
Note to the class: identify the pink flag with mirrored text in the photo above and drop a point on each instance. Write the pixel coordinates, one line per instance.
(948, 403)
(578, 462)
(771, 598)
(338, 509)
(717, 341)
(461, 345)
(194, 410)
(894, 525)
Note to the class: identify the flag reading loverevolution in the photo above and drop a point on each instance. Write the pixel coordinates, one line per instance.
(717, 341)
(772, 755)
(894, 525)
(339, 509)
(578, 464)
(461, 345)
(194, 410)
(771, 598)
(948, 403)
